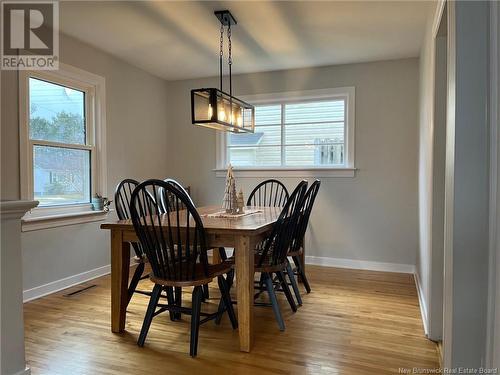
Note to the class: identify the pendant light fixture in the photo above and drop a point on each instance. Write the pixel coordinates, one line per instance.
(214, 108)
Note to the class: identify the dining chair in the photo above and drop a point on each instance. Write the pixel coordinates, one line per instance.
(166, 199)
(271, 259)
(123, 194)
(274, 194)
(269, 193)
(296, 251)
(175, 244)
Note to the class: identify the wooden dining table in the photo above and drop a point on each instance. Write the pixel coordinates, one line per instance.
(241, 233)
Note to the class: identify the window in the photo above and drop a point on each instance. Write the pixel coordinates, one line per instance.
(298, 131)
(62, 140)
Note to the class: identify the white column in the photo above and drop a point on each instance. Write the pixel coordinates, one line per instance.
(12, 358)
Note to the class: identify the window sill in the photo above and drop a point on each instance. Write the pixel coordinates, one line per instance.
(289, 172)
(37, 221)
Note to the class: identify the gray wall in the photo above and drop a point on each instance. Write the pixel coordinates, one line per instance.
(371, 217)
(467, 185)
(136, 147)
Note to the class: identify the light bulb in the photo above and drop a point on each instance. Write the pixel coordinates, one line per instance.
(210, 111)
(239, 121)
(222, 115)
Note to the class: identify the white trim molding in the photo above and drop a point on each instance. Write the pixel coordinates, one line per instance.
(94, 87)
(360, 264)
(15, 209)
(422, 303)
(345, 170)
(67, 282)
(30, 223)
(288, 172)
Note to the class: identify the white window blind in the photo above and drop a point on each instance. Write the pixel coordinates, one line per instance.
(309, 133)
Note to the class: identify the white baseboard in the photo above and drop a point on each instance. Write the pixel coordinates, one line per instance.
(67, 282)
(422, 303)
(360, 264)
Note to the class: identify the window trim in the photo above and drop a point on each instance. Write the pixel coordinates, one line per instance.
(95, 88)
(347, 93)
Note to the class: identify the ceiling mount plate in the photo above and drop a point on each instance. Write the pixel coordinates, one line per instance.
(225, 17)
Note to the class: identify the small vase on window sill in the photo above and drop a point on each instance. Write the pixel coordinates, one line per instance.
(100, 203)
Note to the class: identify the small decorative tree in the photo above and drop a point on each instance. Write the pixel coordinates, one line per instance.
(230, 200)
(241, 202)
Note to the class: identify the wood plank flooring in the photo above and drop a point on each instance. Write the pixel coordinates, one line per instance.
(353, 322)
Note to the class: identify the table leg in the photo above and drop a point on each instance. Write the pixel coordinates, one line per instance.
(245, 290)
(215, 256)
(120, 265)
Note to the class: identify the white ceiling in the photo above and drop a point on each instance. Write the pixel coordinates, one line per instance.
(179, 40)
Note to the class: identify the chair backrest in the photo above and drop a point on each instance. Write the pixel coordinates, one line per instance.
(166, 199)
(174, 241)
(276, 246)
(123, 193)
(269, 193)
(304, 215)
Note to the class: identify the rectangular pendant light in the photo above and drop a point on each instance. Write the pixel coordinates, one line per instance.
(216, 109)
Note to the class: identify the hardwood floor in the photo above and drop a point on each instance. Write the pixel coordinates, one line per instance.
(353, 322)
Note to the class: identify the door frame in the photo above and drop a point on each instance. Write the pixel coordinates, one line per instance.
(493, 322)
(434, 333)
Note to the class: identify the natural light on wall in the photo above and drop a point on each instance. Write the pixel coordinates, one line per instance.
(305, 134)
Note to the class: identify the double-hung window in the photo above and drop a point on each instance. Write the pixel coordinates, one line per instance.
(61, 131)
(296, 134)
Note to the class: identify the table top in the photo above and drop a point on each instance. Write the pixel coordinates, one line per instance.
(249, 224)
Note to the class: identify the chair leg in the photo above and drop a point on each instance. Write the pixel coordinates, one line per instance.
(230, 280)
(286, 290)
(206, 293)
(153, 301)
(261, 282)
(226, 297)
(221, 308)
(178, 301)
(222, 253)
(274, 301)
(195, 320)
(295, 287)
(135, 280)
(301, 273)
(171, 300)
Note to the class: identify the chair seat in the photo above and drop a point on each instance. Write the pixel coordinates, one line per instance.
(200, 277)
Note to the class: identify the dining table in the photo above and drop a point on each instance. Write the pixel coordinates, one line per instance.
(240, 232)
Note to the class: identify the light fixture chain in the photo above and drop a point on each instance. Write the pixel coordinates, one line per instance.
(221, 54)
(230, 59)
(221, 40)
